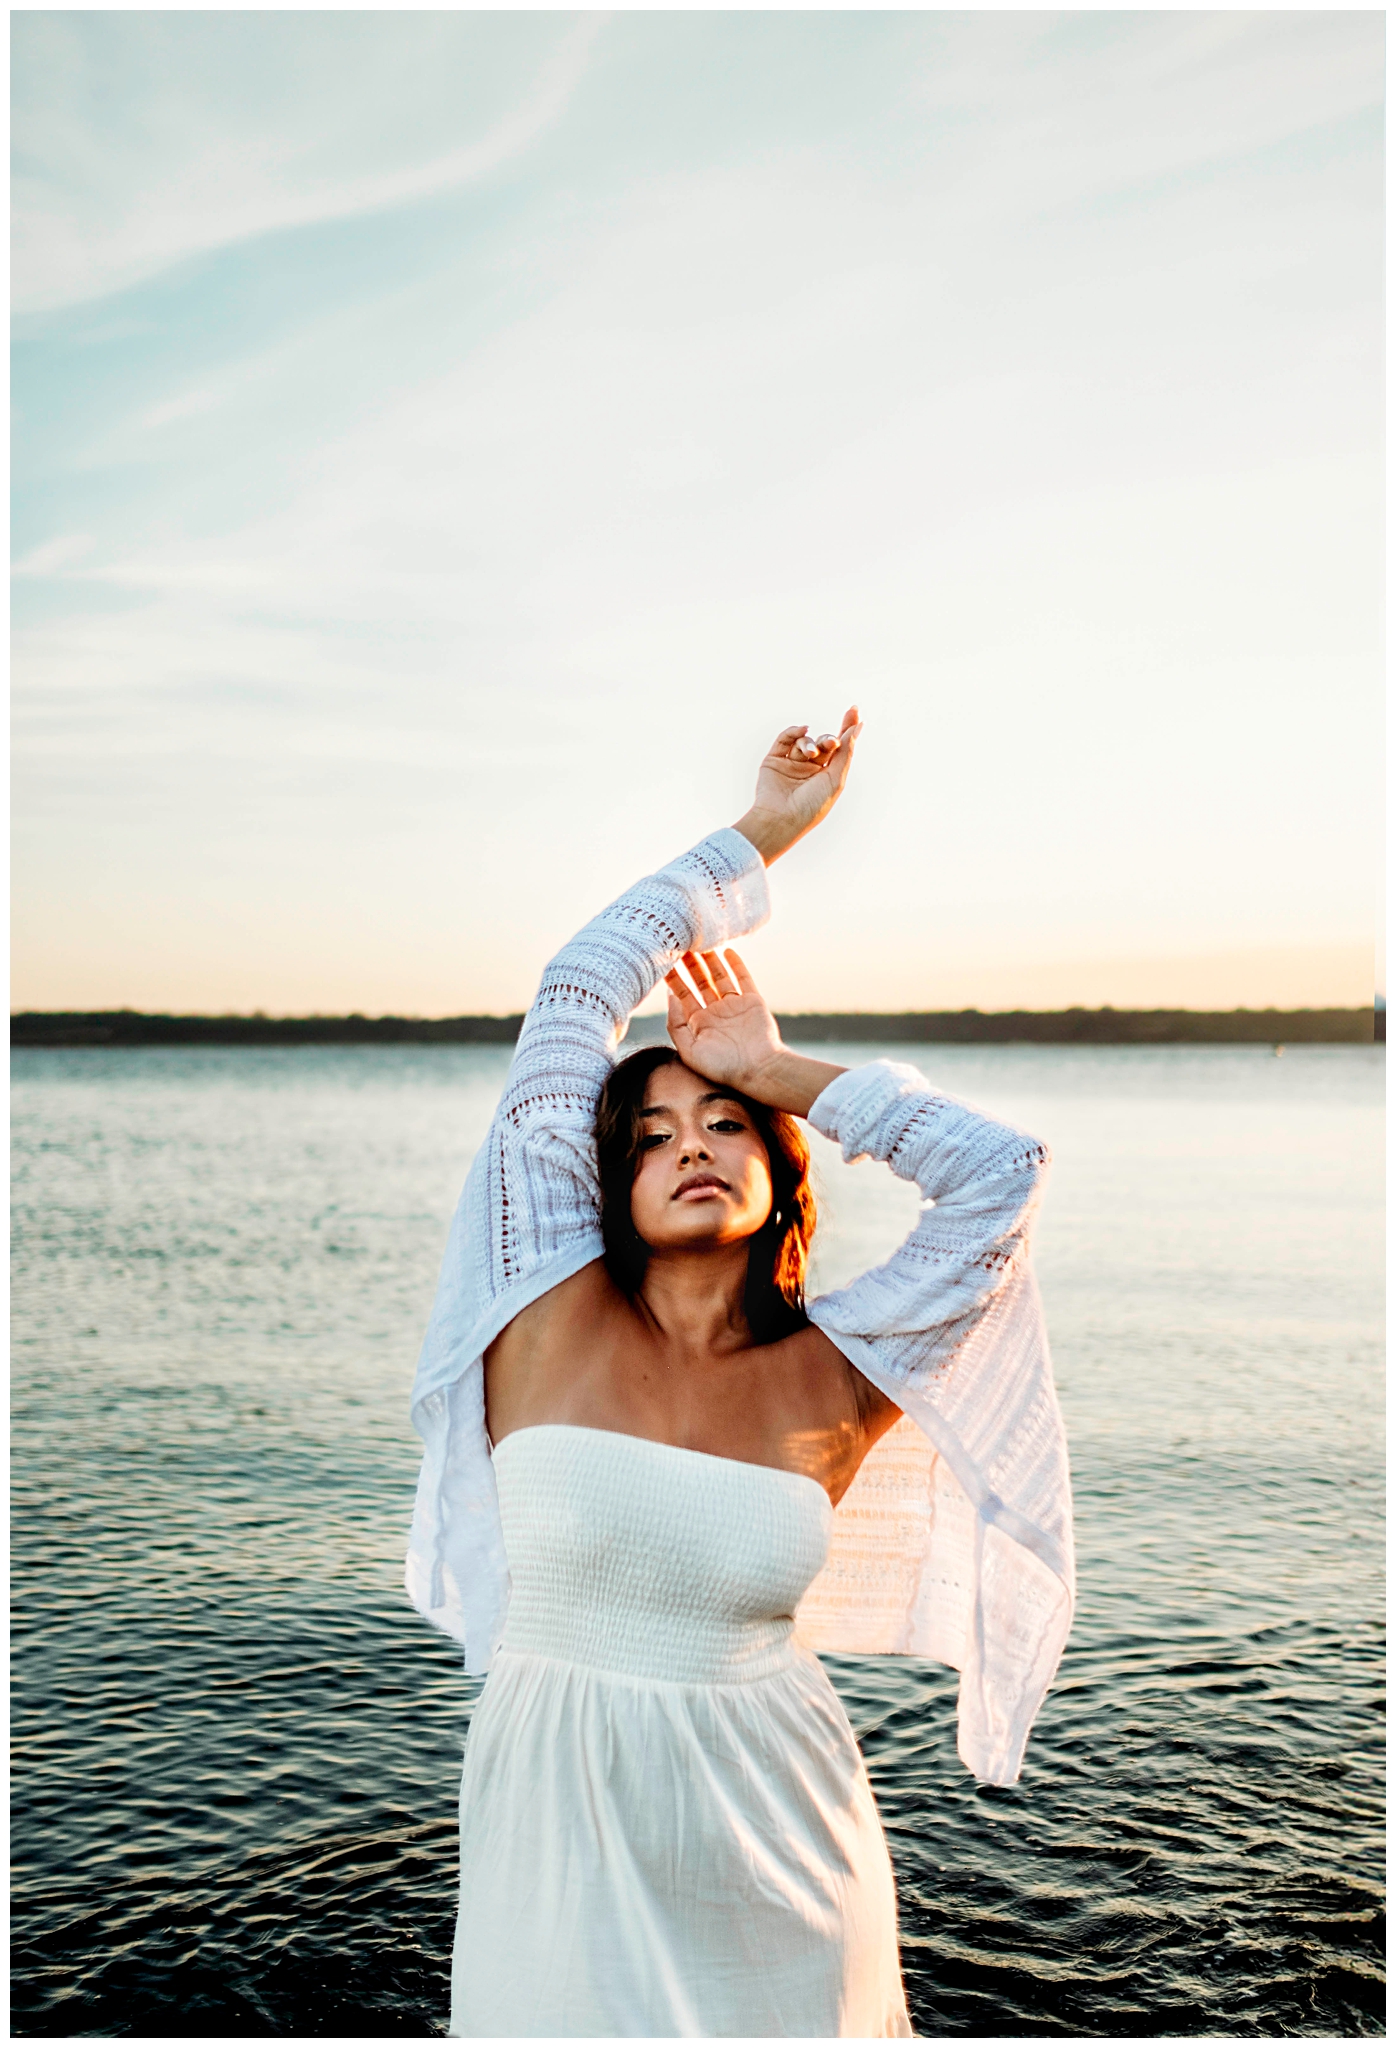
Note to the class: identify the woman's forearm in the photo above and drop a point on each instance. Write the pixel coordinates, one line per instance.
(708, 896)
(768, 834)
(791, 1082)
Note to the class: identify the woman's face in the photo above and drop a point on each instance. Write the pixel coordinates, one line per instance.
(703, 1175)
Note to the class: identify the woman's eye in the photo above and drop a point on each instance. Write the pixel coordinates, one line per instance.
(653, 1138)
(726, 1123)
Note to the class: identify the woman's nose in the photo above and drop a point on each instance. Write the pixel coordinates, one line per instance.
(693, 1148)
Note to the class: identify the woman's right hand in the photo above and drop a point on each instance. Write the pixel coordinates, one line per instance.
(726, 1033)
(798, 783)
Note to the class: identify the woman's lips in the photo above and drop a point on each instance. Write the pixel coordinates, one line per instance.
(700, 1185)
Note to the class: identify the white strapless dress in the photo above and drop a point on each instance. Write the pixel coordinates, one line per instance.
(666, 1826)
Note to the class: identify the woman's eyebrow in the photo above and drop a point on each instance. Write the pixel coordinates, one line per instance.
(713, 1095)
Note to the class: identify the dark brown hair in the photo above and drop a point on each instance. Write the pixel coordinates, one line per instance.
(777, 1253)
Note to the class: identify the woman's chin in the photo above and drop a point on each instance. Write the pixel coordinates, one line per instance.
(698, 1230)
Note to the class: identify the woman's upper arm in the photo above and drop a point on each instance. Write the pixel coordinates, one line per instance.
(981, 1179)
(548, 1337)
(959, 1157)
(877, 1412)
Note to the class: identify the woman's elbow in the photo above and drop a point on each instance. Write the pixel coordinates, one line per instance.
(1019, 1180)
(1035, 1160)
(1031, 1167)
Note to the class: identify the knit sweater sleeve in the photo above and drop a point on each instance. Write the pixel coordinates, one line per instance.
(980, 1180)
(529, 1215)
(538, 1168)
(951, 1329)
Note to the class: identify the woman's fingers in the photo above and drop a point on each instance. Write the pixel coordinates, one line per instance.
(742, 972)
(795, 743)
(681, 993)
(700, 977)
(805, 748)
(711, 977)
(841, 760)
(785, 740)
(719, 974)
(847, 733)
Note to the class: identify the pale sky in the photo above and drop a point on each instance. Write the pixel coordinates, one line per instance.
(448, 446)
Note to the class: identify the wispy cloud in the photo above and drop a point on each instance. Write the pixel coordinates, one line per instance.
(158, 185)
(54, 556)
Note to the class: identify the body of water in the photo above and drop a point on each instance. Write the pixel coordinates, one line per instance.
(237, 1749)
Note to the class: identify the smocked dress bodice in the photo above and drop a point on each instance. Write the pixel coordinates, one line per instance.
(645, 1558)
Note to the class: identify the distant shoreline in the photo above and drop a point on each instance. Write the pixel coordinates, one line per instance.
(910, 1027)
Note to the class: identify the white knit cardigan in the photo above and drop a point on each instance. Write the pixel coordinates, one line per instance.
(954, 1541)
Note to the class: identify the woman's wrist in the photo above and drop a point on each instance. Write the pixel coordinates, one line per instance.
(766, 833)
(790, 1081)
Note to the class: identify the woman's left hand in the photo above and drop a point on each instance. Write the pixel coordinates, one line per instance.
(725, 1032)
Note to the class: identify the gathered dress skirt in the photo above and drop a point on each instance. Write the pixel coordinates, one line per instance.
(666, 1826)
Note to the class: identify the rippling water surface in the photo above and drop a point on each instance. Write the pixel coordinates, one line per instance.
(237, 1749)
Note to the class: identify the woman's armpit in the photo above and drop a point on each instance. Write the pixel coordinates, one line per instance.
(548, 1339)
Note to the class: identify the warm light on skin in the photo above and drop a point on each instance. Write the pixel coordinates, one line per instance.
(693, 1133)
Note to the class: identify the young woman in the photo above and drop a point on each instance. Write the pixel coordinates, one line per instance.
(655, 1482)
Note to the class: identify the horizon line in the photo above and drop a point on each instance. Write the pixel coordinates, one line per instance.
(1378, 1002)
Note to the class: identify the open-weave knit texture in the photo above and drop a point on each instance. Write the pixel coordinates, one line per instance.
(954, 1541)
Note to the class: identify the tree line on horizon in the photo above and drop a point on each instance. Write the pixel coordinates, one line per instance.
(1076, 1026)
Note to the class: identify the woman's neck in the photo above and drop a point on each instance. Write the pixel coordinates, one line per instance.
(695, 1299)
